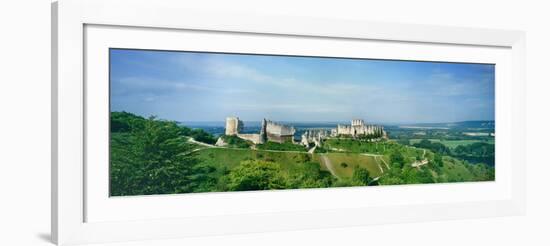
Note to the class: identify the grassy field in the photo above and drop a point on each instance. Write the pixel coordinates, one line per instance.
(381, 148)
(225, 159)
(350, 145)
(454, 143)
(351, 161)
(457, 171)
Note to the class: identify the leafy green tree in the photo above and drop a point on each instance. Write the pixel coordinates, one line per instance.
(148, 156)
(438, 160)
(476, 152)
(433, 146)
(361, 176)
(397, 159)
(125, 122)
(308, 175)
(256, 175)
(404, 141)
(199, 135)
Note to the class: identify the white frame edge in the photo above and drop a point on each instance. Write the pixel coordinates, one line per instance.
(68, 20)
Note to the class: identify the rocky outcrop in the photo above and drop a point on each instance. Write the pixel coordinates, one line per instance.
(220, 142)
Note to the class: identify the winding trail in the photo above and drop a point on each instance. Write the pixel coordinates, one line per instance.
(385, 163)
(418, 164)
(378, 157)
(192, 140)
(326, 161)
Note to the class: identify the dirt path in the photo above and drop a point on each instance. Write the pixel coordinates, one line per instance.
(379, 166)
(385, 163)
(312, 149)
(192, 140)
(373, 155)
(326, 161)
(420, 163)
(192, 151)
(374, 180)
(378, 157)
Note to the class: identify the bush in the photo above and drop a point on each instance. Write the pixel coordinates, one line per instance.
(433, 146)
(308, 175)
(286, 146)
(256, 175)
(397, 159)
(125, 122)
(236, 142)
(361, 176)
(199, 135)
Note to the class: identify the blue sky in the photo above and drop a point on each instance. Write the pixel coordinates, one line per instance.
(190, 86)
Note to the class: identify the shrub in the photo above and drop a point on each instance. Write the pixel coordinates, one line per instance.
(236, 142)
(256, 175)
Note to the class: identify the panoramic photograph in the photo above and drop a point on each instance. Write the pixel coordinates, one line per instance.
(192, 122)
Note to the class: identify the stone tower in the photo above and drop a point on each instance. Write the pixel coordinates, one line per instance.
(232, 126)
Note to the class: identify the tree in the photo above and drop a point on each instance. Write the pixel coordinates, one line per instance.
(397, 159)
(308, 175)
(433, 146)
(438, 160)
(125, 122)
(148, 157)
(361, 176)
(256, 175)
(199, 135)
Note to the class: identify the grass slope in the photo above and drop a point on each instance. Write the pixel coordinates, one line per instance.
(225, 159)
(353, 160)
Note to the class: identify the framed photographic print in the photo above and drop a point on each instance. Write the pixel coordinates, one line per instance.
(172, 125)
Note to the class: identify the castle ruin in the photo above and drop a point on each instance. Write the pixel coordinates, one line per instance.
(359, 128)
(233, 126)
(269, 131)
(276, 132)
(280, 133)
(314, 137)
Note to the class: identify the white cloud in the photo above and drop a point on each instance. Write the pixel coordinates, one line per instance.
(227, 70)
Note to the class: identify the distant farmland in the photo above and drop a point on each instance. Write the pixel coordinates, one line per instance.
(454, 143)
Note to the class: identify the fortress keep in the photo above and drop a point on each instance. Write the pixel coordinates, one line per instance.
(359, 128)
(233, 126)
